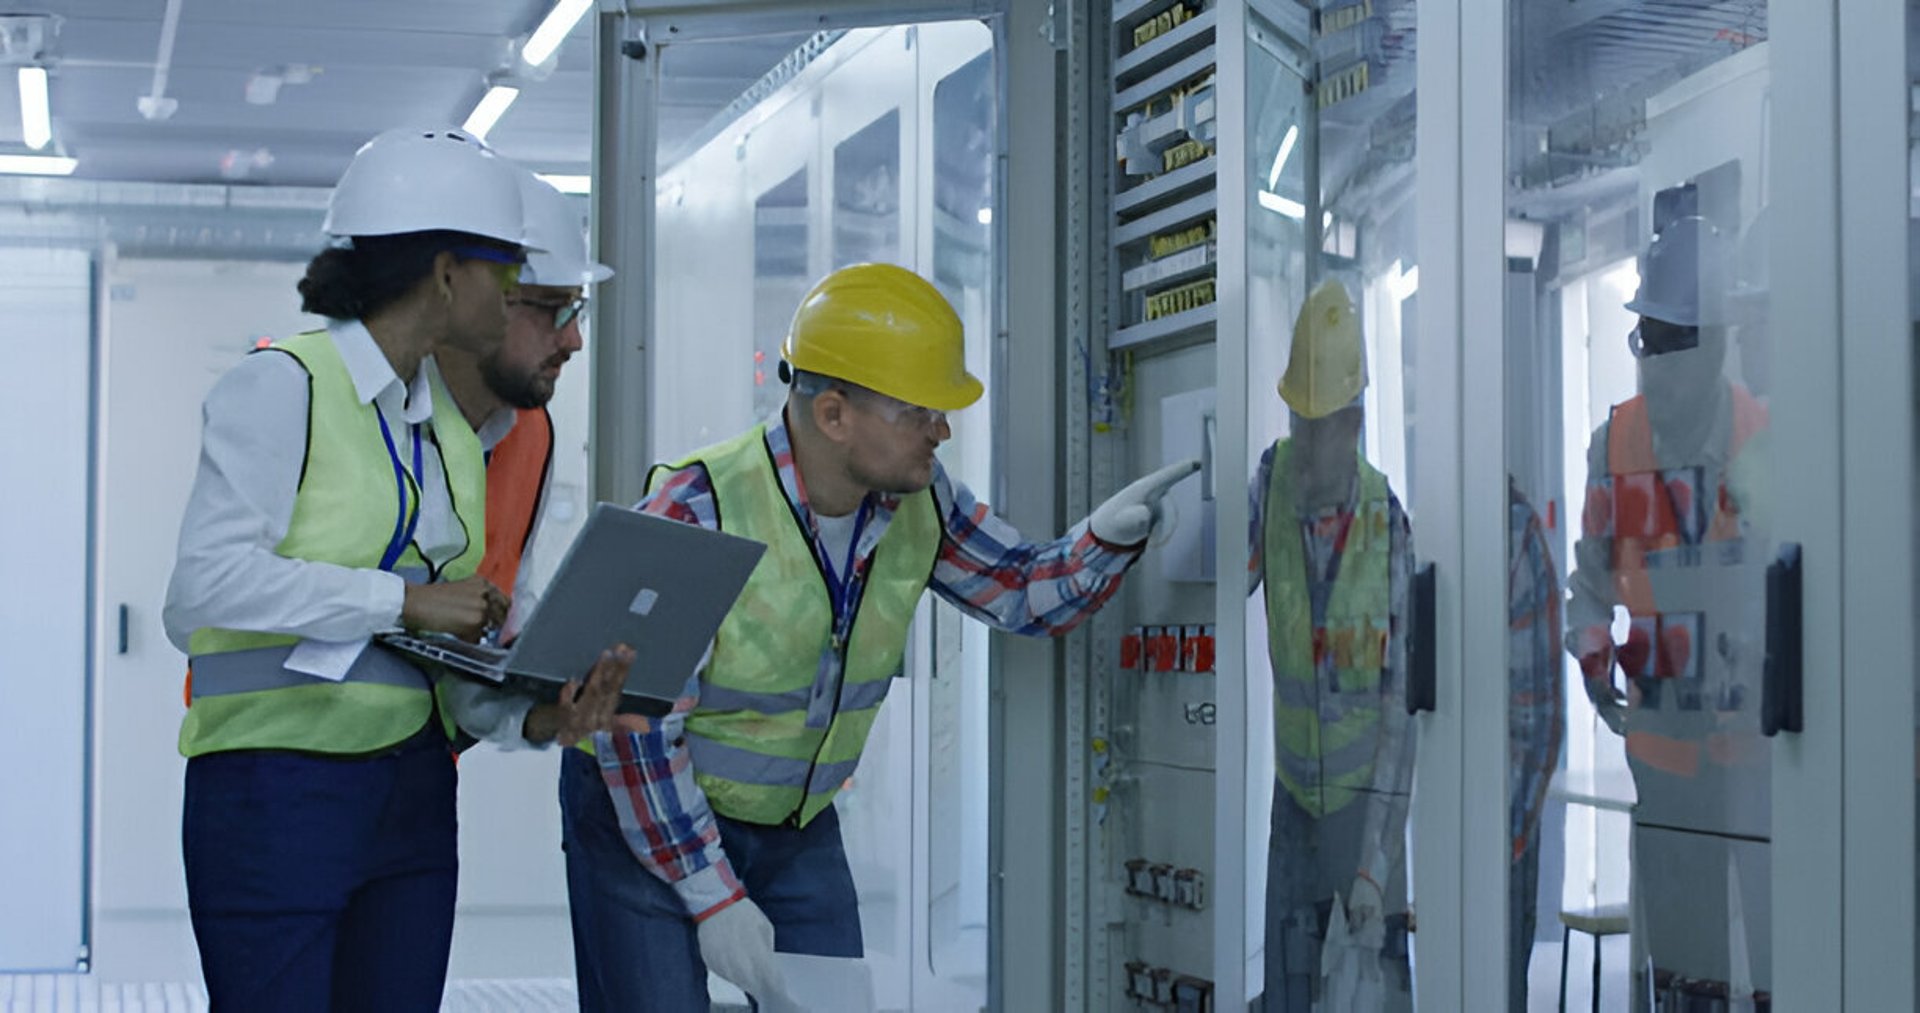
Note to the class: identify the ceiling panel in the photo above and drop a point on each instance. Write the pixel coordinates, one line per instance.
(378, 64)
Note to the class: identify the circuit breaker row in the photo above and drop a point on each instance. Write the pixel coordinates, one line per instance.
(1168, 649)
(1162, 988)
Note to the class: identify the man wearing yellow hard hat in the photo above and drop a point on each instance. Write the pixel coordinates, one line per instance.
(1332, 547)
(708, 839)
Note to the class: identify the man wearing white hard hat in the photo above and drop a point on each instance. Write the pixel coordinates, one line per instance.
(339, 493)
(1331, 546)
(503, 394)
(1674, 532)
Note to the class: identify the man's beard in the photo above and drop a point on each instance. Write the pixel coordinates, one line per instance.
(527, 390)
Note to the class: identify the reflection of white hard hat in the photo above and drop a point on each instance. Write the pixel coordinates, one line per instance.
(1683, 276)
(415, 180)
(558, 230)
(1327, 365)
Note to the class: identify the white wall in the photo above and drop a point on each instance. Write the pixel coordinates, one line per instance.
(47, 338)
(171, 328)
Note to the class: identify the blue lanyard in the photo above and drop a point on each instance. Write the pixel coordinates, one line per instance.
(841, 586)
(403, 525)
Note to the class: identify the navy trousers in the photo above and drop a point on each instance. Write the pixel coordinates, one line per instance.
(323, 884)
(635, 947)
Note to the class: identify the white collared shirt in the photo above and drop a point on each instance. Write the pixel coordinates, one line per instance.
(252, 446)
(488, 714)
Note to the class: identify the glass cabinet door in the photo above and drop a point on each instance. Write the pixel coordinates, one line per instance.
(1332, 514)
(1640, 494)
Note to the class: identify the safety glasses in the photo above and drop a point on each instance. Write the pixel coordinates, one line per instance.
(504, 265)
(1657, 337)
(900, 413)
(560, 313)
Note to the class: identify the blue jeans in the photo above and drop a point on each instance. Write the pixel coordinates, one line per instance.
(634, 945)
(323, 884)
(1309, 862)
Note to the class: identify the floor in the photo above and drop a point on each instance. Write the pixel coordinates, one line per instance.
(67, 993)
(73, 993)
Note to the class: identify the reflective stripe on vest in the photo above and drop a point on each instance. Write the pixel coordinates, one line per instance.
(262, 668)
(1635, 509)
(773, 737)
(1325, 736)
(516, 477)
(343, 514)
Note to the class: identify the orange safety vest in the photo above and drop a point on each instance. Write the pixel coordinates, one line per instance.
(1642, 510)
(516, 477)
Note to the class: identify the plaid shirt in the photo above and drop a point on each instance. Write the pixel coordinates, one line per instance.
(1537, 704)
(984, 568)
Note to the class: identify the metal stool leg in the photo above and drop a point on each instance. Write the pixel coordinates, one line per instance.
(1596, 974)
(1566, 935)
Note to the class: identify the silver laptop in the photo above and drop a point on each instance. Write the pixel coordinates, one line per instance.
(660, 586)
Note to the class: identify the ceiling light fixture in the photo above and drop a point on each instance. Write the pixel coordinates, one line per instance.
(489, 109)
(36, 119)
(564, 183)
(553, 30)
(37, 165)
(1280, 157)
(1286, 206)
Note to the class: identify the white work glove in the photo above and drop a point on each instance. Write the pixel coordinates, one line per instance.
(1128, 517)
(737, 944)
(1366, 914)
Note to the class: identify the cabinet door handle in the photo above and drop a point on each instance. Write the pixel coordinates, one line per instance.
(1422, 689)
(1782, 702)
(123, 627)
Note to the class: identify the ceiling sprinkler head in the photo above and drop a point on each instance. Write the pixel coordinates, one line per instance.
(263, 86)
(157, 108)
(237, 164)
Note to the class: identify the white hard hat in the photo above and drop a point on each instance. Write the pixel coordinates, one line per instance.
(422, 180)
(559, 231)
(1683, 276)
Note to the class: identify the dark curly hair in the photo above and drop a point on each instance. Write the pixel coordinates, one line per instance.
(353, 283)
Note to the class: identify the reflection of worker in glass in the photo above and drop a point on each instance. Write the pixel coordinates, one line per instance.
(1672, 532)
(1536, 712)
(1332, 547)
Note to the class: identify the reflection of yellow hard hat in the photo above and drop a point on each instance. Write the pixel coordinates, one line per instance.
(1327, 366)
(886, 329)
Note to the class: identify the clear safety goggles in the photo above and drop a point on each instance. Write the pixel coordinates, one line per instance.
(559, 314)
(900, 413)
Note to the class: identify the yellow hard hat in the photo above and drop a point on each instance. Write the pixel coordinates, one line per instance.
(886, 329)
(1327, 366)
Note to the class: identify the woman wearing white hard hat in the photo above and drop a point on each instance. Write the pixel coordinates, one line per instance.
(340, 493)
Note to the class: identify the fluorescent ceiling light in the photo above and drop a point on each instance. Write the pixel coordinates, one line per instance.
(1291, 208)
(490, 108)
(36, 120)
(984, 216)
(38, 165)
(553, 30)
(1280, 158)
(567, 184)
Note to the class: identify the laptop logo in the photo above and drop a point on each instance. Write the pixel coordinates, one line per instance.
(644, 601)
